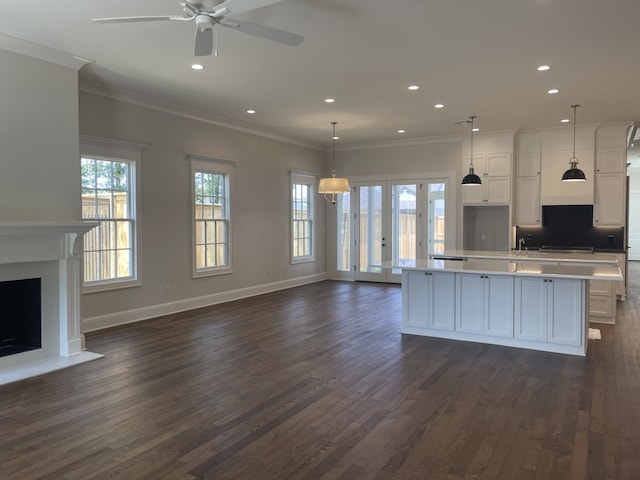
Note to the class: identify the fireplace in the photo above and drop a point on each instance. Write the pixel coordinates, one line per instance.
(43, 255)
(20, 316)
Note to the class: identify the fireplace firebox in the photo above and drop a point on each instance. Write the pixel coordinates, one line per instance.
(20, 316)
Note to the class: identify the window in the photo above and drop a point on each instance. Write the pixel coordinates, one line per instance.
(211, 180)
(302, 234)
(109, 185)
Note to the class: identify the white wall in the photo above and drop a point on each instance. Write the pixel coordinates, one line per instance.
(260, 210)
(634, 214)
(40, 178)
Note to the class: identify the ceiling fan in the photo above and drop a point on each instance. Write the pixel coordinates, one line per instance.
(206, 18)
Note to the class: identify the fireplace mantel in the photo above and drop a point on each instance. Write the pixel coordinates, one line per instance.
(50, 250)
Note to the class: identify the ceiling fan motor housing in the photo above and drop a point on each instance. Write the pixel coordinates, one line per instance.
(204, 22)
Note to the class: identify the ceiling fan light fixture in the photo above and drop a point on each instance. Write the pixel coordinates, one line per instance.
(574, 174)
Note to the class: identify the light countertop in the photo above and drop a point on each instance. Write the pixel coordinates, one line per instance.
(531, 256)
(594, 271)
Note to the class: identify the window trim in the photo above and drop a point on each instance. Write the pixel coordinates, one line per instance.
(131, 152)
(309, 179)
(211, 165)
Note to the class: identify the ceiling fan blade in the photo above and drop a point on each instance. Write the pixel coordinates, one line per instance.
(203, 42)
(239, 6)
(155, 18)
(267, 33)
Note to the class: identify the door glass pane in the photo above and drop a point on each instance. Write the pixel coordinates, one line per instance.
(371, 240)
(344, 233)
(435, 222)
(403, 224)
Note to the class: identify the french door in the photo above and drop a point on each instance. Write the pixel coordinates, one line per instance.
(386, 228)
(393, 221)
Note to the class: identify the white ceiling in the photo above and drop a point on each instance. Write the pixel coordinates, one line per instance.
(476, 56)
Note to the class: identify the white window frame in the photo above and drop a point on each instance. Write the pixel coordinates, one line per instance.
(225, 167)
(302, 178)
(119, 151)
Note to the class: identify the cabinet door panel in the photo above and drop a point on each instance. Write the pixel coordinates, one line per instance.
(529, 165)
(473, 193)
(416, 299)
(566, 307)
(499, 320)
(470, 301)
(442, 314)
(610, 201)
(610, 161)
(499, 165)
(498, 189)
(531, 309)
(528, 201)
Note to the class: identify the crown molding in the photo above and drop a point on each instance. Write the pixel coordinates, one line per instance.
(96, 88)
(400, 143)
(48, 54)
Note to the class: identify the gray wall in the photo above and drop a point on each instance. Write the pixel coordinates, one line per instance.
(429, 156)
(260, 206)
(40, 178)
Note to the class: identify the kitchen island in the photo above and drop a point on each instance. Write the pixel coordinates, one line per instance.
(535, 305)
(602, 294)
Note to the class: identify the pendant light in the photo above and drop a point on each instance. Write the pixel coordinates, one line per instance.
(333, 187)
(574, 174)
(471, 178)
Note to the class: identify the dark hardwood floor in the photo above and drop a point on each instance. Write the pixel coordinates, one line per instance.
(316, 383)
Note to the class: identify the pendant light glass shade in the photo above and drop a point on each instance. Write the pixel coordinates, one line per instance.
(574, 174)
(333, 187)
(471, 178)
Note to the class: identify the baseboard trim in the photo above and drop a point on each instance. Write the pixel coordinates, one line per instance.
(100, 322)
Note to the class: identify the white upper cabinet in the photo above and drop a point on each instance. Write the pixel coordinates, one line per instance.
(528, 211)
(528, 164)
(609, 207)
(611, 161)
(610, 176)
(493, 163)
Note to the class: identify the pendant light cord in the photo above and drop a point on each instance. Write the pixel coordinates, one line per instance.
(472, 118)
(573, 158)
(334, 143)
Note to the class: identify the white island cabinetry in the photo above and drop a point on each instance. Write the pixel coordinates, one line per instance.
(484, 304)
(550, 310)
(428, 301)
(539, 306)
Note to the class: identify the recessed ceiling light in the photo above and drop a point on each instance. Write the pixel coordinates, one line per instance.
(553, 91)
(401, 131)
(251, 111)
(414, 87)
(329, 100)
(565, 120)
(543, 68)
(335, 137)
(475, 129)
(439, 105)
(197, 66)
